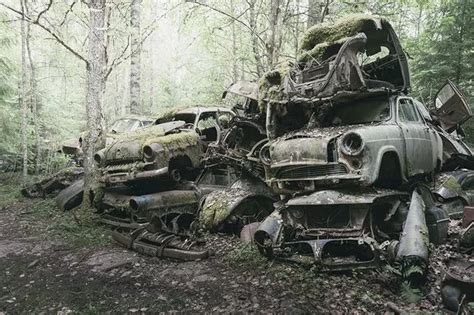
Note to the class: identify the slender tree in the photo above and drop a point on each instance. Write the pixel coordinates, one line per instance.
(33, 94)
(23, 95)
(135, 66)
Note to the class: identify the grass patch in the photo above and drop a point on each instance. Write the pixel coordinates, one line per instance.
(9, 193)
(246, 255)
(79, 228)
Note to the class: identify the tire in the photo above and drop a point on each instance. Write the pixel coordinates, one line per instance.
(71, 197)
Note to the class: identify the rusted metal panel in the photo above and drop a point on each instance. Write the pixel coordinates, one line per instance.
(468, 216)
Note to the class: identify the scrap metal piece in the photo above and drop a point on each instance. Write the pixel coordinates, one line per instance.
(246, 200)
(160, 245)
(467, 237)
(458, 285)
(53, 183)
(338, 254)
(269, 234)
(413, 247)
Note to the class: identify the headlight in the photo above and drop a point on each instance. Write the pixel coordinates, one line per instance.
(149, 151)
(297, 213)
(99, 157)
(265, 155)
(352, 144)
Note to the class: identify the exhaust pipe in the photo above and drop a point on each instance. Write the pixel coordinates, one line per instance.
(162, 200)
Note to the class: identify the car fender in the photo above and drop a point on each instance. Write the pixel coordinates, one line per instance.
(219, 205)
(380, 154)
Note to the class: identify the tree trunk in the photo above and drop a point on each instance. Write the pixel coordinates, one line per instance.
(272, 47)
(460, 64)
(235, 60)
(135, 71)
(33, 96)
(96, 68)
(23, 96)
(255, 46)
(314, 11)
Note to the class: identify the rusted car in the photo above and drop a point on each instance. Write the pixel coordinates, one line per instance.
(154, 159)
(73, 147)
(72, 174)
(347, 122)
(382, 141)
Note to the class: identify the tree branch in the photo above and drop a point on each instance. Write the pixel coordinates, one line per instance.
(228, 15)
(48, 30)
(144, 36)
(43, 11)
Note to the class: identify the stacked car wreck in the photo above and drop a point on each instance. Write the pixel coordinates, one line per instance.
(325, 161)
(352, 155)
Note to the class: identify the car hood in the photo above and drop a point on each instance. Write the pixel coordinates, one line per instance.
(129, 146)
(306, 144)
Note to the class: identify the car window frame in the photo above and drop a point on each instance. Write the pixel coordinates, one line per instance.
(420, 120)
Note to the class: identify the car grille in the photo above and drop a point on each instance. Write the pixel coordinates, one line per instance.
(310, 171)
(123, 167)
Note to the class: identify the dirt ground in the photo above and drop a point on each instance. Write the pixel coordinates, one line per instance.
(46, 271)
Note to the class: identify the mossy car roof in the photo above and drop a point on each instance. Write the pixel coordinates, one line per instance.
(329, 32)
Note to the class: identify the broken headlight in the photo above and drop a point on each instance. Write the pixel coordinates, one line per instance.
(99, 157)
(352, 144)
(151, 150)
(265, 155)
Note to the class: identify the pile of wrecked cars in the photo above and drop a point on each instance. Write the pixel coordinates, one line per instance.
(354, 158)
(327, 160)
(195, 168)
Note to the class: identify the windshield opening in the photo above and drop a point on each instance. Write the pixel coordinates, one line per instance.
(358, 112)
(123, 125)
(186, 117)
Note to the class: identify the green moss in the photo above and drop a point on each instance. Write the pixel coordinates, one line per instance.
(246, 255)
(98, 196)
(319, 52)
(270, 88)
(180, 139)
(142, 134)
(452, 183)
(214, 212)
(330, 32)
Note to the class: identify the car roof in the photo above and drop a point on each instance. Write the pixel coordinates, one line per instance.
(136, 117)
(203, 109)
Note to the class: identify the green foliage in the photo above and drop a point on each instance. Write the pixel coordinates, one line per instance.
(410, 294)
(246, 256)
(444, 50)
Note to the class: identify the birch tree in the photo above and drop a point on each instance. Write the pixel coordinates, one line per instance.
(96, 70)
(23, 96)
(135, 66)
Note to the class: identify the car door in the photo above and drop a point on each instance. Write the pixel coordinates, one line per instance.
(452, 108)
(417, 139)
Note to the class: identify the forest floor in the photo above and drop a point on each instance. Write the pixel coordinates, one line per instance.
(53, 262)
